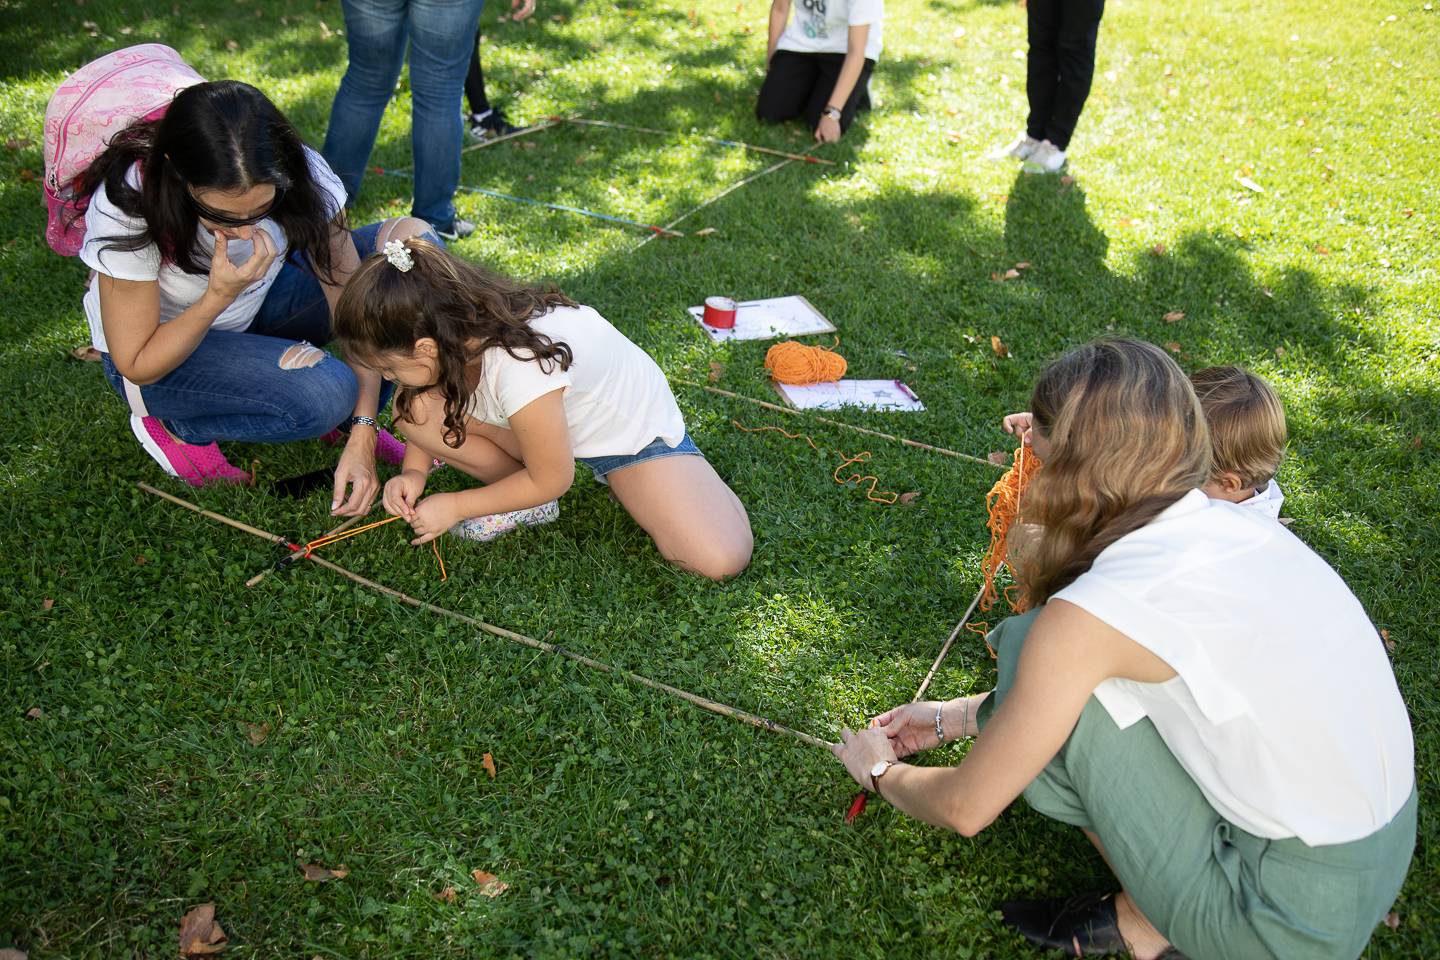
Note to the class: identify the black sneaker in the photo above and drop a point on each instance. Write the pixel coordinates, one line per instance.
(489, 125)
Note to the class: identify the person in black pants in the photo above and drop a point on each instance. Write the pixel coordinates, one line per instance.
(818, 66)
(486, 121)
(1058, 72)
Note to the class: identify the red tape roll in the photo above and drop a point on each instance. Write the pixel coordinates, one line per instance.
(719, 313)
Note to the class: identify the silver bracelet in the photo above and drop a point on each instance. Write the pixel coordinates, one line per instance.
(364, 422)
(939, 722)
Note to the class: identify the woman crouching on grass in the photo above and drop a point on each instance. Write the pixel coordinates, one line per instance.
(512, 385)
(1196, 690)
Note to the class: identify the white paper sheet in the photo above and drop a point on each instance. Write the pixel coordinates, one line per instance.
(767, 319)
(867, 394)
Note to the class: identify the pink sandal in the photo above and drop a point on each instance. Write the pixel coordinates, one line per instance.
(194, 464)
(388, 449)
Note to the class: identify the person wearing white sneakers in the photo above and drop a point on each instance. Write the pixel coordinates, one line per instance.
(219, 243)
(1058, 72)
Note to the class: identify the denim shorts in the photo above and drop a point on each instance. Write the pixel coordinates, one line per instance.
(654, 451)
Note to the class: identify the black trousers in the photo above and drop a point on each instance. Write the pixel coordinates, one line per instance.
(1060, 66)
(475, 81)
(800, 84)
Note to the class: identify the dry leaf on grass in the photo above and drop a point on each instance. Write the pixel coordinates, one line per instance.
(200, 935)
(1389, 644)
(717, 370)
(1250, 185)
(1392, 920)
(705, 232)
(47, 604)
(34, 713)
(1067, 180)
(1417, 442)
(1158, 250)
(1323, 250)
(1407, 213)
(1174, 316)
(448, 895)
(1023, 265)
(490, 885)
(998, 345)
(257, 733)
(318, 874)
(20, 143)
(231, 45)
(488, 762)
(906, 499)
(998, 457)
(1172, 346)
(85, 352)
(1011, 274)
(1281, 351)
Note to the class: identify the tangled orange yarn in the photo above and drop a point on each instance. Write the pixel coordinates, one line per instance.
(796, 363)
(1002, 504)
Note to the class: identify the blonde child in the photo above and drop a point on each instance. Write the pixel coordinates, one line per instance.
(511, 385)
(1247, 436)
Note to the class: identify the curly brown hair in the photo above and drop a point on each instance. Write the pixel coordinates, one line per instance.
(464, 308)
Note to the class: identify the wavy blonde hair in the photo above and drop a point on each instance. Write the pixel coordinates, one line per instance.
(1127, 439)
(1246, 420)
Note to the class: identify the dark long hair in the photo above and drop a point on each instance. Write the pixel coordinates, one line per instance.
(224, 135)
(465, 309)
(1127, 439)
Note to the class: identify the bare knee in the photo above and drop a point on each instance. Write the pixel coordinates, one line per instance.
(301, 355)
(399, 228)
(721, 559)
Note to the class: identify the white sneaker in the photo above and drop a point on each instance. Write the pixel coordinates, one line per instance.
(497, 524)
(1047, 158)
(1018, 149)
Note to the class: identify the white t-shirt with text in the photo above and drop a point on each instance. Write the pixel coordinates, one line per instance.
(1284, 710)
(180, 290)
(617, 400)
(823, 26)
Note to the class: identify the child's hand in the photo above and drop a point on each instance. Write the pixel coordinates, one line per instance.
(402, 493)
(433, 517)
(1019, 424)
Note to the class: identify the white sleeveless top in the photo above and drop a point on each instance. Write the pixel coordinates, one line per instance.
(1285, 710)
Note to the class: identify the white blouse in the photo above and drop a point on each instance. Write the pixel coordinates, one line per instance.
(1285, 710)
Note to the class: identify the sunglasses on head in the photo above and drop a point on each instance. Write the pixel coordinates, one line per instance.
(225, 219)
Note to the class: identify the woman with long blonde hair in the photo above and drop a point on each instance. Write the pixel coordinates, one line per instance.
(1195, 689)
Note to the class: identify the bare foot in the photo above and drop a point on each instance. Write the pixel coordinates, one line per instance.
(1144, 941)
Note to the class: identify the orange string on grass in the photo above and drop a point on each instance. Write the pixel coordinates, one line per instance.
(796, 363)
(316, 544)
(1002, 504)
(883, 496)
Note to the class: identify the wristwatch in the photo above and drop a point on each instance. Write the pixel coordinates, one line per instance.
(878, 771)
(832, 112)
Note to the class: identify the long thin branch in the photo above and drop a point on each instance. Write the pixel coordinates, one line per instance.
(704, 703)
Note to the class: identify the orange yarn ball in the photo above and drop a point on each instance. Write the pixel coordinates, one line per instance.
(794, 362)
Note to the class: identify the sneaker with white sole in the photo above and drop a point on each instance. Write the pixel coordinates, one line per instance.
(1047, 158)
(489, 125)
(1018, 149)
(196, 465)
(498, 524)
(458, 230)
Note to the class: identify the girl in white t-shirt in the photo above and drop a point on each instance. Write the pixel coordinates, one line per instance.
(1196, 689)
(218, 244)
(818, 63)
(511, 385)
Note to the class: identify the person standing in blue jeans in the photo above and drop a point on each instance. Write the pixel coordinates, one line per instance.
(219, 246)
(440, 36)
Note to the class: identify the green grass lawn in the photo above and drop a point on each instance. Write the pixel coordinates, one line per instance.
(623, 821)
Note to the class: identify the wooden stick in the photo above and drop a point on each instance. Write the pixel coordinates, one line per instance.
(542, 125)
(859, 801)
(268, 570)
(836, 423)
(802, 157)
(925, 684)
(704, 703)
(719, 196)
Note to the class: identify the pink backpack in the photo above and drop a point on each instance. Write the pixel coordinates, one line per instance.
(93, 104)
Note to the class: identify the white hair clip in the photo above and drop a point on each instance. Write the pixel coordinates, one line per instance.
(399, 256)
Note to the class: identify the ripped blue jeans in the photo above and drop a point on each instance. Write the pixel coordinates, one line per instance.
(262, 385)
